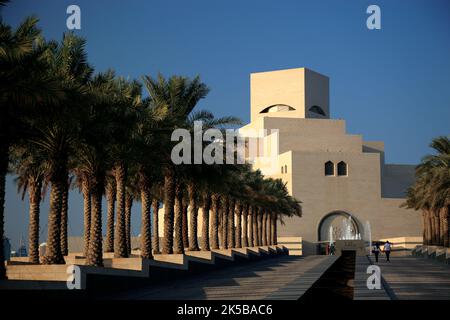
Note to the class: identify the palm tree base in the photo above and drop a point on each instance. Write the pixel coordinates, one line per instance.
(53, 260)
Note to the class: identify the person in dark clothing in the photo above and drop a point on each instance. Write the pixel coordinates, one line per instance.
(376, 251)
(387, 249)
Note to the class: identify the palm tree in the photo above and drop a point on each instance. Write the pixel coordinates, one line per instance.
(110, 201)
(245, 210)
(64, 217)
(231, 228)
(184, 225)
(82, 181)
(179, 96)
(225, 209)
(155, 237)
(214, 225)
(169, 201)
(178, 218)
(193, 214)
(30, 170)
(56, 129)
(157, 195)
(200, 177)
(238, 235)
(24, 84)
(93, 163)
(148, 173)
(94, 157)
(124, 99)
(431, 193)
(206, 207)
(128, 205)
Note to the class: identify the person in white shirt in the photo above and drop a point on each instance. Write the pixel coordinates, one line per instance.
(387, 249)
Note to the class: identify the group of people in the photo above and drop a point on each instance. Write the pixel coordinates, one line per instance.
(386, 249)
(376, 250)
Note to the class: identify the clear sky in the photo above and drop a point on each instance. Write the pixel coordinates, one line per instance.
(391, 84)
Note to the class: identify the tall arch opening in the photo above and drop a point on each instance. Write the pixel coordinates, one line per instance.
(338, 225)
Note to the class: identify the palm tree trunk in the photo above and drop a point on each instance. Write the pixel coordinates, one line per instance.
(436, 228)
(4, 159)
(255, 227)
(430, 227)
(205, 222)
(146, 238)
(225, 211)
(260, 226)
(215, 199)
(245, 225)
(231, 234)
(95, 252)
(220, 221)
(120, 241)
(425, 231)
(238, 231)
(87, 213)
(178, 234)
(274, 228)
(110, 202)
(184, 226)
(193, 216)
(169, 199)
(270, 226)
(34, 189)
(128, 206)
(250, 226)
(53, 251)
(264, 229)
(155, 238)
(64, 219)
(444, 227)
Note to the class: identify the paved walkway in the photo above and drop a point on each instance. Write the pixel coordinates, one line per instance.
(285, 277)
(361, 292)
(409, 277)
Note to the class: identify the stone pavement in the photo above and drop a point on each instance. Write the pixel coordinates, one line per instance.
(360, 291)
(285, 277)
(288, 277)
(410, 277)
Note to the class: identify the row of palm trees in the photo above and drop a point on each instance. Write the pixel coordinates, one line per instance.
(431, 193)
(63, 127)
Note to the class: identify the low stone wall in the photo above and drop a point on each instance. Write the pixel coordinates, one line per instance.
(403, 243)
(293, 244)
(126, 273)
(432, 252)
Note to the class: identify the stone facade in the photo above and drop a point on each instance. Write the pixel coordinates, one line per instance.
(357, 183)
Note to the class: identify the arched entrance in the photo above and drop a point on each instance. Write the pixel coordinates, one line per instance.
(337, 225)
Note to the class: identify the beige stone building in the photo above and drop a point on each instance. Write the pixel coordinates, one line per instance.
(343, 181)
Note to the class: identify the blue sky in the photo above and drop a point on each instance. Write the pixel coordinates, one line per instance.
(391, 84)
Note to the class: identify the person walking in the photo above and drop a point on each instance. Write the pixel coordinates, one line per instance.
(332, 249)
(376, 251)
(387, 249)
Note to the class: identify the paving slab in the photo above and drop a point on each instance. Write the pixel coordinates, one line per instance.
(416, 278)
(360, 291)
(254, 280)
